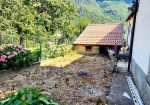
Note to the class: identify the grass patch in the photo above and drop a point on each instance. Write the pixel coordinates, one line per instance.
(61, 61)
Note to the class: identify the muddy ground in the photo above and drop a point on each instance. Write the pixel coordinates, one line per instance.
(84, 82)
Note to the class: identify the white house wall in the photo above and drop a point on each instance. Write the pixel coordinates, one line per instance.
(141, 48)
(141, 51)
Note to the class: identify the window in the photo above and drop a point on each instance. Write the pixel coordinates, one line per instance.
(88, 48)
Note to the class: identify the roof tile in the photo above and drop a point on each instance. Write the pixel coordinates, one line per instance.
(101, 34)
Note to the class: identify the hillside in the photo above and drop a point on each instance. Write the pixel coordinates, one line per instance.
(103, 11)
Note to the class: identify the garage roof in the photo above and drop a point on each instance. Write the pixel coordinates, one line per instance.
(101, 34)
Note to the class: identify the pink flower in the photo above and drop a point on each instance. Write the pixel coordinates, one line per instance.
(16, 46)
(17, 50)
(2, 59)
(23, 51)
(8, 53)
(11, 56)
(3, 56)
(14, 53)
(20, 47)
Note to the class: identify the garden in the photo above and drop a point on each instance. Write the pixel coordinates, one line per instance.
(14, 56)
(72, 79)
(37, 63)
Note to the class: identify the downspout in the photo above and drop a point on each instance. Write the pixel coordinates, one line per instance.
(132, 36)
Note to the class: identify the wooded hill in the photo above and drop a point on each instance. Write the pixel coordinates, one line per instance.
(103, 11)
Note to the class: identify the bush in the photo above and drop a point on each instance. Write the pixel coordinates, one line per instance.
(27, 96)
(16, 56)
(56, 51)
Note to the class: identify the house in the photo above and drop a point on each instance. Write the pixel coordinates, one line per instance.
(97, 37)
(139, 42)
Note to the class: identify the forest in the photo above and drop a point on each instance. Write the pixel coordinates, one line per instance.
(104, 11)
(22, 20)
(49, 25)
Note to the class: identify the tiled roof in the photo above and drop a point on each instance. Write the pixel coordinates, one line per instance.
(101, 34)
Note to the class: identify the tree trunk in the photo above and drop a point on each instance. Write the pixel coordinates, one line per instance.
(0, 40)
(21, 40)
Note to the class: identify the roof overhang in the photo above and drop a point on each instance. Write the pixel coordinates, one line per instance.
(101, 34)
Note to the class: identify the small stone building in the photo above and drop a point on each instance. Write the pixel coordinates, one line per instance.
(96, 38)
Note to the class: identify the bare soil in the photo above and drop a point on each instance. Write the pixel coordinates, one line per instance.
(84, 82)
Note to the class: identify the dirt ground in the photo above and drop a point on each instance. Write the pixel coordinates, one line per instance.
(84, 82)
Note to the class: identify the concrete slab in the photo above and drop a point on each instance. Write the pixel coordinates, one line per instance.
(122, 64)
(119, 91)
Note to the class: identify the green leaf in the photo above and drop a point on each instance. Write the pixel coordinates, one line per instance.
(17, 102)
(53, 103)
(30, 95)
(34, 102)
(44, 100)
(20, 94)
(23, 102)
(4, 101)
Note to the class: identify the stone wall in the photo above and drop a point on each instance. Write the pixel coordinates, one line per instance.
(82, 49)
(95, 49)
(141, 82)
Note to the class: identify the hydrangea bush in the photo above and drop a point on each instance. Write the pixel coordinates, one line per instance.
(16, 56)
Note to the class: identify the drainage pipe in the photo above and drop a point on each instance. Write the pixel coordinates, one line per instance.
(132, 35)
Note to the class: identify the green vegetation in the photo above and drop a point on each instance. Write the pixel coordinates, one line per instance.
(41, 24)
(83, 22)
(12, 56)
(48, 24)
(103, 11)
(22, 20)
(62, 61)
(27, 96)
(53, 51)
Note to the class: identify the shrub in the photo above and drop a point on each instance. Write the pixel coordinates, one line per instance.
(16, 56)
(27, 96)
(56, 51)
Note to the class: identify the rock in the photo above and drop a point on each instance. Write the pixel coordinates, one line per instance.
(50, 87)
(56, 85)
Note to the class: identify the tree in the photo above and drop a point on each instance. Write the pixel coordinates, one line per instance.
(103, 11)
(83, 22)
(35, 19)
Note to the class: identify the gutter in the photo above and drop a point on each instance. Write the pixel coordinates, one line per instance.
(132, 36)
